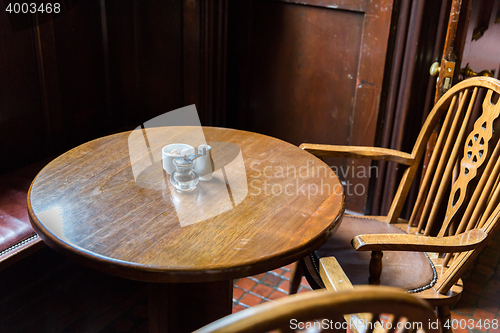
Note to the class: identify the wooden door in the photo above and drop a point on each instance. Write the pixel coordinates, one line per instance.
(481, 51)
(309, 71)
(471, 42)
(469, 49)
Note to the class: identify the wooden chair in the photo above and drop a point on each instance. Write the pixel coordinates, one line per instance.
(325, 309)
(427, 254)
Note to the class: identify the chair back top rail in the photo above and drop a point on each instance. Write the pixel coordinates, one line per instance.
(325, 309)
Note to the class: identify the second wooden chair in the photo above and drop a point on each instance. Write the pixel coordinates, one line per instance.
(325, 311)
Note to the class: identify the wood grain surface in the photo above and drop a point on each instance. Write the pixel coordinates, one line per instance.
(109, 204)
(402, 242)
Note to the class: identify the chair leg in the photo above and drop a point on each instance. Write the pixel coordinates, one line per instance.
(443, 313)
(296, 278)
(375, 267)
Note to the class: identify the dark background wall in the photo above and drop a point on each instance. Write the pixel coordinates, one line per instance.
(98, 68)
(314, 71)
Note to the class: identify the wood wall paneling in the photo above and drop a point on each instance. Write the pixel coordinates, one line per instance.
(81, 70)
(123, 65)
(421, 91)
(21, 122)
(204, 58)
(101, 66)
(309, 72)
(145, 59)
(301, 67)
(303, 72)
(191, 12)
(159, 57)
(213, 62)
(48, 80)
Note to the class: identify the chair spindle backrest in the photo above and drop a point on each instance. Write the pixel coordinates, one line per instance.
(472, 198)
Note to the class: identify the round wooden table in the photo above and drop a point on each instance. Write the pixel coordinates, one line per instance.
(109, 204)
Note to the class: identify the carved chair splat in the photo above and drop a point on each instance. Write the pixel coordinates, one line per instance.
(463, 176)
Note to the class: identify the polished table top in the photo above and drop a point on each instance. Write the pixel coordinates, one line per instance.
(109, 204)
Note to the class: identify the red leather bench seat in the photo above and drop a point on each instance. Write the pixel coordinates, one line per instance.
(17, 238)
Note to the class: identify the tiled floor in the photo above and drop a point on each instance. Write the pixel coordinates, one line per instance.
(253, 290)
(480, 300)
(479, 303)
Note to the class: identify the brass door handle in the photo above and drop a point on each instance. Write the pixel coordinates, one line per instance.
(447, 75)
(467, 72)
(434, 70)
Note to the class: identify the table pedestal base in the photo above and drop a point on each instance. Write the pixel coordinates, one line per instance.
(185, 307)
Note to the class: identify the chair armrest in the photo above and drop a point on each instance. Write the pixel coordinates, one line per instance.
(333, 275)
(334, 278)
(374, 153)
(404, 242)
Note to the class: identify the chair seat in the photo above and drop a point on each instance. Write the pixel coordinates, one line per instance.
(412, 271)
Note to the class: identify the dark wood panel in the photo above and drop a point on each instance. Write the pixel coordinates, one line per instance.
(101, 66)
(159, 57)
(213, 62)
(123, 65)
(81, 72)
(309, 72)
(146, 59)
(302, 71)
(238, 62)
(191, 34)
(351, 5)
(50, 93)
(165, 56)
(21, 122)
